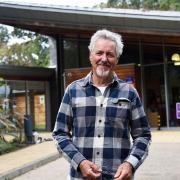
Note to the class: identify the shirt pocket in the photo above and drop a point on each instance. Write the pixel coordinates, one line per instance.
(118, 108)
(84, 107)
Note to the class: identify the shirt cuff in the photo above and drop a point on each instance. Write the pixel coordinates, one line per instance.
(78, 157)
(133, 161)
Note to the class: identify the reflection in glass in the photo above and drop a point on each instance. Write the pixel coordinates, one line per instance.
(13, 102)
(174, 92)
(170, 50)
(152, 54)
(130, 54)
(84, 53)
(71, 59)
(155, 94)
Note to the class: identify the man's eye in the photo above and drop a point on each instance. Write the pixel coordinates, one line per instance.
(110, 55)
(99, 53)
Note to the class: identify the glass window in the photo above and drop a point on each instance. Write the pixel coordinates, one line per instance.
(36, 93)
(172, 50)
(18, 97)
(152, 54)
(71, 59)
(14, 104)
(84, 53)
(174, 92)
(155, 94)
(10, 93)
(130, 54)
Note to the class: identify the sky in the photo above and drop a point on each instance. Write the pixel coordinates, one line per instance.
(79, 3)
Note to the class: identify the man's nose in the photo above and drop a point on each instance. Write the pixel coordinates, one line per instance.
(104, 57)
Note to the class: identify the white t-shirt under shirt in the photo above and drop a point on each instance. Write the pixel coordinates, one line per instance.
(102, 89)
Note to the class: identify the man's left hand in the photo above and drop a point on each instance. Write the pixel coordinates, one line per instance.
(124, 172)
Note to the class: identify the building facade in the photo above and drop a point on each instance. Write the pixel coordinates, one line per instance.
(151, 44)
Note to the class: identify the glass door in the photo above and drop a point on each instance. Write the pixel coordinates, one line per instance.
(155, 94)
(174, 94)
(20, 98)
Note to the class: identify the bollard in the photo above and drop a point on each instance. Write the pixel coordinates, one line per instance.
(159, 122)
(28, 129)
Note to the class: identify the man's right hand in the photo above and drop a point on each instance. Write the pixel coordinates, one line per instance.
(89, 170)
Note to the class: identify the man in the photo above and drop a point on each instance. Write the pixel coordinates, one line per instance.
(97, 115)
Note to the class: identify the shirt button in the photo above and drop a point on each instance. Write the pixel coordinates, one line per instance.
(97, 153)
(100, 120)
(99, 135)
(101, 105)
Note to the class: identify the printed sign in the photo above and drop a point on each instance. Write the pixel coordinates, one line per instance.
(129, 79)
(178, 110)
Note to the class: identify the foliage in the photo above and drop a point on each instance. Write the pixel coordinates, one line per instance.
(31, 50)
(143, 4)
(11, 127)
(6, 147)
(4, 36)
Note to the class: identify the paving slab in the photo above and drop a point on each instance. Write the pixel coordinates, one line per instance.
(163, 161)
(23, 160)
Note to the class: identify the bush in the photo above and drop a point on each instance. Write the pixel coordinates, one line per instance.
(6, 147)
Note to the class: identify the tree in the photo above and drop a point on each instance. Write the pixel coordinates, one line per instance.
(144, 4)
(4, 36)
(31, 49)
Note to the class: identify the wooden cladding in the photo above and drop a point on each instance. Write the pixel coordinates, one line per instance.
(127, 73)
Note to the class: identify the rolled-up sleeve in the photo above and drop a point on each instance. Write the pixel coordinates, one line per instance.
(140, 132)
(62, 132)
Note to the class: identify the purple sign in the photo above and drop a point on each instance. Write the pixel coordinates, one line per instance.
(178, 110)
(129, 79)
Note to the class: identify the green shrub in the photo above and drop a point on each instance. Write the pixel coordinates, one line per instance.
(6, 147)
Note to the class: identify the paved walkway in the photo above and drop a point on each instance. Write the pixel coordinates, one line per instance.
(163, 162)
(21, 161)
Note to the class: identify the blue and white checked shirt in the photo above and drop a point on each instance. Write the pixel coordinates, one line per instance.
(97, 127)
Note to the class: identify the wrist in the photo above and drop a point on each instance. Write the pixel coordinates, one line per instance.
(130, 166)
(81, 164)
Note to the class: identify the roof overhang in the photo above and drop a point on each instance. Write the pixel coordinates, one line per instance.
(27, 73)
(49, 19)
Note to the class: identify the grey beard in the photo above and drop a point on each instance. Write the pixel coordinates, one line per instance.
(102, 73)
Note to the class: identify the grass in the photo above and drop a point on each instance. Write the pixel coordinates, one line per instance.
(6, 147)
(11, 144)
(40, 127)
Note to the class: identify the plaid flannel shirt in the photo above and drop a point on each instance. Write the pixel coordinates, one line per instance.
(99, 127)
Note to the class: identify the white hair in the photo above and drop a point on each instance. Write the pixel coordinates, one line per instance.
(105, 34)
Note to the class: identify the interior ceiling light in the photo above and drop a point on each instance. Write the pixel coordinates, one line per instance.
(175, 57)
(177, 63)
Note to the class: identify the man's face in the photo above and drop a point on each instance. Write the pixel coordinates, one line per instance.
(103, 58)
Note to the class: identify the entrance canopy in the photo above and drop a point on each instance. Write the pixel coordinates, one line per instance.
(52, 20)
